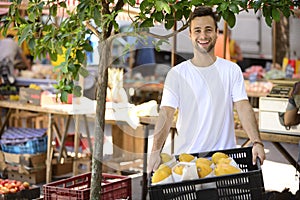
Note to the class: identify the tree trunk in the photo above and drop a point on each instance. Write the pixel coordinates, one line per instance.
(282, 39)
(105, 55)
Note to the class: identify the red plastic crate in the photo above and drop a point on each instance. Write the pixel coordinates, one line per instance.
(78, 188)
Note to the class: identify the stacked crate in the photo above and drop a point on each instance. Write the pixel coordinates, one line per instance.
(23, 152)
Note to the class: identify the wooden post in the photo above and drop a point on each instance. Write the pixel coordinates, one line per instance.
(225, 39)
(274, 43)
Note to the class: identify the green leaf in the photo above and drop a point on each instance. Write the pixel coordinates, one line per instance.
(286, 12)
(147, 23)
(266, 11)
(63, 4)
(131, 2)
(53, 56)
(158, 16)
(53, 10)
(275, 14)
(31, 17)
(64, 96)
(256, 5)
(169, 22)
(223, 6)
(97, 16)
(234, 8)
(31, 43)
(83, 71)
(229, 17)
(80, 56)
(144, 5)
(27, 33)
(77, 90)
(268, 20)
(159, 5)
(87, 47)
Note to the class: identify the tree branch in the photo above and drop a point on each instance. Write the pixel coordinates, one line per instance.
(93, 29)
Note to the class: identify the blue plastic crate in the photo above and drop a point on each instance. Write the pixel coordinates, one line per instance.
(32, 146)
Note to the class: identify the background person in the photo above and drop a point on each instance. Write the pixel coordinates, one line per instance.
(205, 90)
(291, 116)
(11, 51)
(236, 54)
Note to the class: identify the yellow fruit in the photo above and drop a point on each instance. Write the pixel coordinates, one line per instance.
(184, 157)
(224, 160)
(166, 168)
(204, 161)
(178, 169)
(217, 156)
(225, 169)
(161, 174)
(203, 170)
(165, 157)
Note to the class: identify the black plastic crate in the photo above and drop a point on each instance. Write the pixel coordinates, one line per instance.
(242, 186)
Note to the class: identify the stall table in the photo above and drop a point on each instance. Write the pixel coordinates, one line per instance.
(15, 105)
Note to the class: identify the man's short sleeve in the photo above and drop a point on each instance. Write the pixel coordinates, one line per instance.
(170, 95)
(238, 89)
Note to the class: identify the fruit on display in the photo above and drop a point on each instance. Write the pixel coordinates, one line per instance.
(161, 173)
(8, 186)
(225, 169)
(224, 160)
(165, 157)
(14, 97)
(178, 169)
(202, 160)
(217, 156)
(203, 169)
(34, 86)
(185, 157)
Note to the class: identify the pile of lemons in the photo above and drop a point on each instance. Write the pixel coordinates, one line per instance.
(219, 164)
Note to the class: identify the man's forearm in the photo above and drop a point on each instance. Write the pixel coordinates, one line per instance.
(248, 120)
(162, 127)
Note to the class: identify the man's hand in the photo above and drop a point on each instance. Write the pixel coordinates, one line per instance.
(258, 151)
(154, 161)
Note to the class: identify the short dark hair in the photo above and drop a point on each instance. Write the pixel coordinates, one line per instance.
(202, 11)
(10, 36)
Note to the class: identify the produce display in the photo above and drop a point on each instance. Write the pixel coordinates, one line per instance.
(189, 167)
(8, 186)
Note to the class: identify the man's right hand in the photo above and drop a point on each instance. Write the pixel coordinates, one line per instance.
(154, 161)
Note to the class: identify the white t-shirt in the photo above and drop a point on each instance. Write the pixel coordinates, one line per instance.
(204, 97)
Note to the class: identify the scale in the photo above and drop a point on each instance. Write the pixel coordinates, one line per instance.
(282, 88)
(282, 91)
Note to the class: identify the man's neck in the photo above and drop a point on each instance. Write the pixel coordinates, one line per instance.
(203, 60)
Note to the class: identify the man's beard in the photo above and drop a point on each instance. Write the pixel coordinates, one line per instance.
(205, 50)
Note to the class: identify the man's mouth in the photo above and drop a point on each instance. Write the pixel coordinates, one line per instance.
(203, 43)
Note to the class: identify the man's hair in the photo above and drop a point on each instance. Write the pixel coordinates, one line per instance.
(10, 36)
(202, 11)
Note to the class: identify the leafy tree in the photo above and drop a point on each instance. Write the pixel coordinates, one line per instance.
(67, 35)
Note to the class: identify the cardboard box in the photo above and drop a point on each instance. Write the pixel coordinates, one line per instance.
(28, 160)
(59, 169)
(33, 178)
(23, 169)
(29, 95)
(83, 165)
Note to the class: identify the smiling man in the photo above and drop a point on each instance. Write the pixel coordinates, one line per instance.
(205, 90)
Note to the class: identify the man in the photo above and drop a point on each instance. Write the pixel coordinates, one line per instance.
(204, 90)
